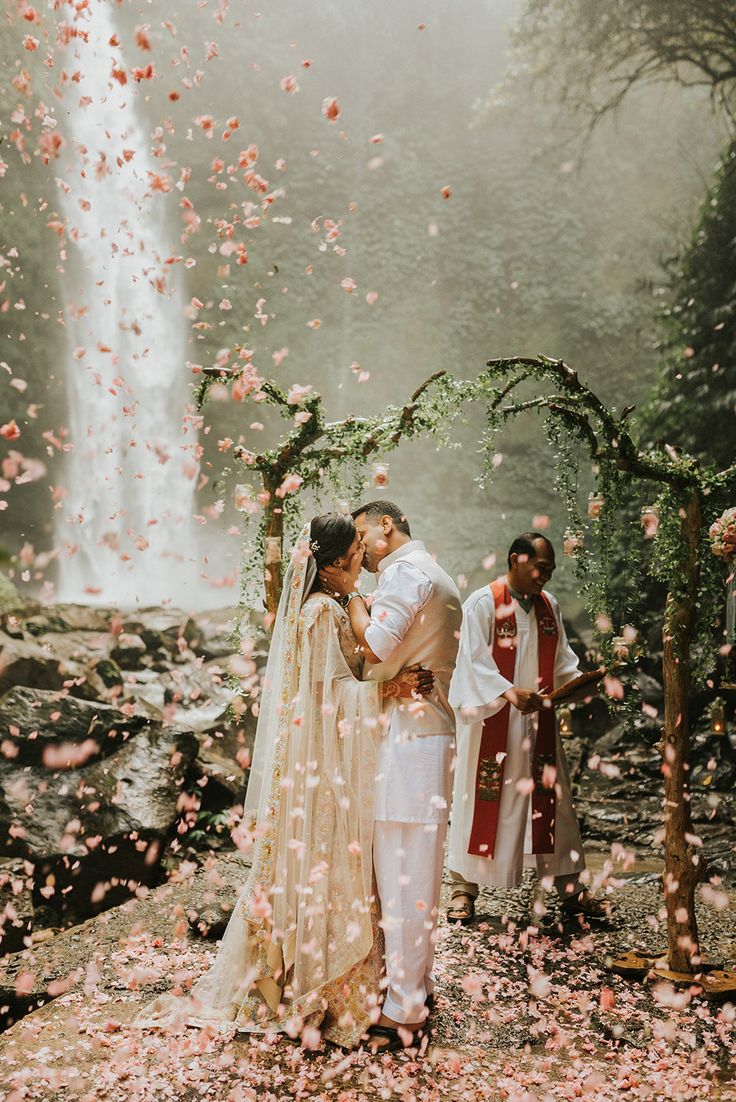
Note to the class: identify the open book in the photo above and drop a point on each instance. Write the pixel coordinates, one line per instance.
(564, 692)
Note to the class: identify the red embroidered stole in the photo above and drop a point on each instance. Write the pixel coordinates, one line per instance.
(489, 777)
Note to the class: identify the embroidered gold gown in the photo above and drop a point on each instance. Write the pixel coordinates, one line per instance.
(303, 945)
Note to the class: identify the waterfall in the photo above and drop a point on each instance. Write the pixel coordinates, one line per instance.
(125, 527)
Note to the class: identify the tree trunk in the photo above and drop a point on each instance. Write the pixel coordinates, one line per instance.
(681, 871)
(273, 551)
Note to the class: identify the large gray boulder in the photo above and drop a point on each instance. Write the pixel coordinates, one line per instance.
(39, 727)
(130, 651)
(158, 628)
(27, 662)
(39, 619)
(78, 661)
(96, 833)
(210, 634)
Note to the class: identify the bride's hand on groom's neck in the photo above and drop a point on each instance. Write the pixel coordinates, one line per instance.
(336, 580)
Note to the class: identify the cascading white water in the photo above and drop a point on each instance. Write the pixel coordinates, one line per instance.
(131, 477)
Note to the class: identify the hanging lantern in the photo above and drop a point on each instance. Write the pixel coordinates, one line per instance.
(650, 521)
(718, 716)
(344, 507)
(564, 722)
(595, 504)
(572, 540)
(379, 472)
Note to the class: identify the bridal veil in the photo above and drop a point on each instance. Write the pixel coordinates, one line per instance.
(302, 942)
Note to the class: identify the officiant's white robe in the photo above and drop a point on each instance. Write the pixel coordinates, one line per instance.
(475, 694)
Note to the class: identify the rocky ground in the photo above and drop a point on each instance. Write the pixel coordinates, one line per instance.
(123, 754)
(120, 751)
(526, 1011)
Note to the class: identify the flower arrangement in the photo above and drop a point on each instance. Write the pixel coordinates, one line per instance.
(722, 533)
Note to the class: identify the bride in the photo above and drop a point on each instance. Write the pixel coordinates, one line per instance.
(302, 947)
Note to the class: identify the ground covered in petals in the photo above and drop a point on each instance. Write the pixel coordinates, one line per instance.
(526, 1010)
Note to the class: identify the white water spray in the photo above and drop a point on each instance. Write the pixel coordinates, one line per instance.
(126, 528)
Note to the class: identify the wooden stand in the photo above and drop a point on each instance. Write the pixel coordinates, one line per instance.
(715, 982)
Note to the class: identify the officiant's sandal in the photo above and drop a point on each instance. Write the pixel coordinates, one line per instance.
(461, 914)
(596, 910)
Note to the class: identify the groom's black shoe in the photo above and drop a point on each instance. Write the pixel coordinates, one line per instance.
(419, 1039)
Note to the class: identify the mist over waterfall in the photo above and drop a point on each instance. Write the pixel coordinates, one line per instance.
(174, 193)
(125, 525)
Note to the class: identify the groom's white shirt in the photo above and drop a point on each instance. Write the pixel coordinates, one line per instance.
(415, 617)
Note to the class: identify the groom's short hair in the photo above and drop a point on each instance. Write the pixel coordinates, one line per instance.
(374, 510)
(524, 545)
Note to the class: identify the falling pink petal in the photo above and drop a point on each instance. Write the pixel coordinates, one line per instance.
(331, 109)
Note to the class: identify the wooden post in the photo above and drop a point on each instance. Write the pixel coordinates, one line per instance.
(681, 872)
(272, 560)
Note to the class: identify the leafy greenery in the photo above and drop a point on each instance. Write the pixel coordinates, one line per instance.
(324, 456)
(699, 363)
(594, 57)
(623, 471)
(208, 823)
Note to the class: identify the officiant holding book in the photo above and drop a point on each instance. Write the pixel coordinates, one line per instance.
(512, 802)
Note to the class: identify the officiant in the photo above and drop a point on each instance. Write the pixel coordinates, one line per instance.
(512, 803)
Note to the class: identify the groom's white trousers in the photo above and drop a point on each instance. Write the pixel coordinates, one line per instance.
(408, 860)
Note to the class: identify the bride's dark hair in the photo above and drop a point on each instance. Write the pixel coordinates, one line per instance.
(330, 537)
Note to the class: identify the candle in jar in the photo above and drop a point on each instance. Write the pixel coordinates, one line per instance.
(565, 722)
(380, 474)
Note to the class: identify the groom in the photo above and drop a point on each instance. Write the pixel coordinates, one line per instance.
(414, 617)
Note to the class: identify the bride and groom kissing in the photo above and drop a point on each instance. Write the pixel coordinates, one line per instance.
(349, 788)
(352, 776)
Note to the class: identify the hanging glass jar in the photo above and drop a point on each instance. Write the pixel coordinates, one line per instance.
(564, 722)
(650, 521)
(272, 550)
(379, 472)
(572, 540)
(595, 504)
(718, 716)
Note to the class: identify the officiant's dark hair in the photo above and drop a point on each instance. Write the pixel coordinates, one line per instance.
(330, 537)
(524, 545)
(376, 509)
